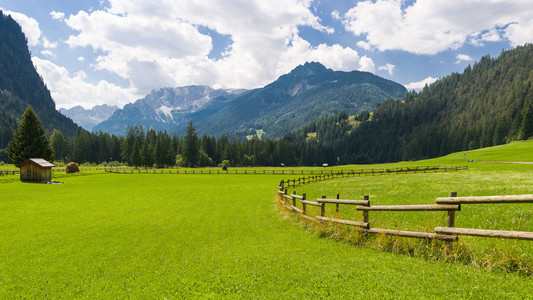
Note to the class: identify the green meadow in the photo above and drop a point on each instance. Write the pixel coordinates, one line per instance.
(172, 236)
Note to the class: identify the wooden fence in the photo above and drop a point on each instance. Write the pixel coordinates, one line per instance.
(367, 172)
(9, 172)
(315, 175)
(449, 204)
(318, 175)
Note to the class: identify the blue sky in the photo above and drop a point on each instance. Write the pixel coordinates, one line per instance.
(115, 51)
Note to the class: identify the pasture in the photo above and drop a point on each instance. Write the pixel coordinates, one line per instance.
(223, 236)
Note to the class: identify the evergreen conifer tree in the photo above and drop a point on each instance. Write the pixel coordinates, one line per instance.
(191, 152)
(29, 140)
(59, 143)
(526, 130)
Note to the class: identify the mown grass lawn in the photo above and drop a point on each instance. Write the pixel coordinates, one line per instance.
(200, 236)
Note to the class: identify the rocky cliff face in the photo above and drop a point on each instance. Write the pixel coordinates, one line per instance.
(165, 108)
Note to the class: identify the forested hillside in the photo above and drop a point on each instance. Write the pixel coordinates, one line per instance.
(490, 103)
(21, 85)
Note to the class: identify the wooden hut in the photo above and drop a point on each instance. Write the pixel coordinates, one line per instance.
(36, 170)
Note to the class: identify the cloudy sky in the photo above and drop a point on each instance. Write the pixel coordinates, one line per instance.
(115, 51)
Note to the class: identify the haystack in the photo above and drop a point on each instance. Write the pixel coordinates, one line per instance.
(72, 168)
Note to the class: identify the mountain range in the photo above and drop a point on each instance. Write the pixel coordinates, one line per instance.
(308, 92)
(89, 118)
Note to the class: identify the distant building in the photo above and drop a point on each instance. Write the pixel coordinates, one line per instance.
(36, 170)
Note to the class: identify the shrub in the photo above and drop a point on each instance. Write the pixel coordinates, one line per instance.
(224, 165)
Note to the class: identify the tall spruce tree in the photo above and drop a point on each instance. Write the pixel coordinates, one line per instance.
(29, 140)
(191, 153)
(60, 145)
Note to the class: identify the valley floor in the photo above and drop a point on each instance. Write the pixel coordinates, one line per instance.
(205, 236)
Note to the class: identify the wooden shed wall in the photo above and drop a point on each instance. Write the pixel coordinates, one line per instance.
(35, 173)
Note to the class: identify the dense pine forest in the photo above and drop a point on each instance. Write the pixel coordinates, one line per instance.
(147, 148)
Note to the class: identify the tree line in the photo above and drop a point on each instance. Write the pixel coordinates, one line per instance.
(142, 147)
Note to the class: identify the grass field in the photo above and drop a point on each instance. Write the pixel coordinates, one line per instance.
(223, 236)
(422, 188)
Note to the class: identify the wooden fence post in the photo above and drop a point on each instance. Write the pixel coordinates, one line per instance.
(294, 199)
(323, 207)
(451, 213)
(337, 206)
(450, 222)
(365, 212)
(303, 204)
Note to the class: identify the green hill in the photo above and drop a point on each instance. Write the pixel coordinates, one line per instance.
(515, 152)
(490, 103)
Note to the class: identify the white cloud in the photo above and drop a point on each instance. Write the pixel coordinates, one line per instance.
(30, 26)
(520, 33)
(420, 84)
(69, 90)
(47, 44)
(367, 64)
(463, 57)
(57, 15)
(334, 57)
(48, 53)
(432, 26)
(387, 67)
(157, 43)
(81, 58)
(335, 15)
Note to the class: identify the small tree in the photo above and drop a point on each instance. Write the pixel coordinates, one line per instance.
(29, 140)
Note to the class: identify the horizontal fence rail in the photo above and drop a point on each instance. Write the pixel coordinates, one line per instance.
(520, 235)
(343, 201)
(486, 199)
(423, 207)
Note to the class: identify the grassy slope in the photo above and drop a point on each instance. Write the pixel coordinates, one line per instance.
(116, 236)
(481, 179)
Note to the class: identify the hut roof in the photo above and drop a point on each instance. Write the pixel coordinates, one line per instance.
(40, 162)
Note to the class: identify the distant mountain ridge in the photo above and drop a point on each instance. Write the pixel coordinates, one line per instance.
(89, 118)
(164, 109)
(308, 92)
(21, 85)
